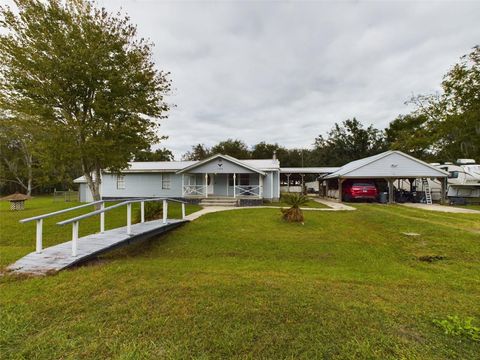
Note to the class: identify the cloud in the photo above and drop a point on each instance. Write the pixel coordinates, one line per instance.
(287, 71)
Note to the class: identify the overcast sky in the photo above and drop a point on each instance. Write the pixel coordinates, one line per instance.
(287, 71)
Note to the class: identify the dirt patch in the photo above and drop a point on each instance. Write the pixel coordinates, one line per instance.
(410, 334)
(431, 258)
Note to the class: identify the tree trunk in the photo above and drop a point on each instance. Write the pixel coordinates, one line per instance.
(29, 186)
(30, 174)
(94, 183)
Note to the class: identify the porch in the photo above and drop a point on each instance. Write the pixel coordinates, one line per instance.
(221, 185)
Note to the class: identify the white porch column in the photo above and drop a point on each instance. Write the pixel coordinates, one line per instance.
(234, 185)
(183, 185)
(271, 185)
(206, 184)
(288, 182)
(260, 183)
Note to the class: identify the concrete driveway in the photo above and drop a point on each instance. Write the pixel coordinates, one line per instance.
(442, 208)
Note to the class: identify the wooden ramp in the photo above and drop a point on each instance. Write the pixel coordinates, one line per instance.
(59, 257)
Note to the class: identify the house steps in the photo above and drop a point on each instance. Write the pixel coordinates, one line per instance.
(219, 201)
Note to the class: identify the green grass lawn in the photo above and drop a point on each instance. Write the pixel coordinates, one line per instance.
(244, 284)
(310, 204)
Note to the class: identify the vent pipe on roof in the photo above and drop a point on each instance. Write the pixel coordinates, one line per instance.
(274, 155)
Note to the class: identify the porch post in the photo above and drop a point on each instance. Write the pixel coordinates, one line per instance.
(234, 185)
(271, 186)
(443, 189)
(260, 184)
(288, 183)
(206, 184)
(340, 182)
(391, 193)
(183, 186)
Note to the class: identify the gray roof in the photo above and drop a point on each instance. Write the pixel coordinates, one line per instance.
(157, 166)
(253, 165)
(308, 170)
(389, 164)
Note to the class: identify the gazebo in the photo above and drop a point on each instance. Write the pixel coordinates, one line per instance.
(17, 201)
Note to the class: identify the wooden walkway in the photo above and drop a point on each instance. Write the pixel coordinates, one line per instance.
(59, 257)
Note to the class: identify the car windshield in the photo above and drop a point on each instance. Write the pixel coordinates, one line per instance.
(362, 184)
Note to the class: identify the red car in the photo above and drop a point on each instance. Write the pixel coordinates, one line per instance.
(359, 189)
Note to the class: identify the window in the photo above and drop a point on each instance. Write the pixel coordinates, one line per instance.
(242, 179)
(166, 181)
(453, 174)
(120, 182)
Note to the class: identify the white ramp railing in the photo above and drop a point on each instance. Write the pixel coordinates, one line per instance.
(76, 220)
(39, 221)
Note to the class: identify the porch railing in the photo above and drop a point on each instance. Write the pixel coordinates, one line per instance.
(248, 190)
(192, 190)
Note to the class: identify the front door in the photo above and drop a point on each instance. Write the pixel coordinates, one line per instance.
(210, 183)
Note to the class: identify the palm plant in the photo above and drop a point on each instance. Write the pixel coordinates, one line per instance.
(294, 213)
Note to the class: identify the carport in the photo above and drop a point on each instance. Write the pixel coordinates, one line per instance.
(390, 166)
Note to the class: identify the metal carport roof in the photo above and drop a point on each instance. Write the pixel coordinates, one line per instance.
(389, 164)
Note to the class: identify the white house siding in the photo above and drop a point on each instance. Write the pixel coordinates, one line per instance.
(141, 185)
(267, 185)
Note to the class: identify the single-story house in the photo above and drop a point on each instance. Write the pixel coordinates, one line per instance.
(390, 166)
(217, 176)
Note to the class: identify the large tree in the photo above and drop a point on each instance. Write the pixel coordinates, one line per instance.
(409, 134)
(162, 154)
(197, 152)
(86, 78)
(17, 147)
(346, 142)
(453, 116)
(236, 148)
(263, 150)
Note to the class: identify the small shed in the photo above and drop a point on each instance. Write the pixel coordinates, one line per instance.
(17, 201)
(389, 166)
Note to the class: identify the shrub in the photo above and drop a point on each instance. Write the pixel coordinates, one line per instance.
(294, 213)
(453, 325)
(153, 211)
